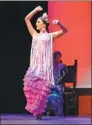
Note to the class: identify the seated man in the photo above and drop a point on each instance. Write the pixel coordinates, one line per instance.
(55, 98)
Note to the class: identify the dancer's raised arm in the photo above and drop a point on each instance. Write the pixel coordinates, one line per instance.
(31, 30)
(60, 32)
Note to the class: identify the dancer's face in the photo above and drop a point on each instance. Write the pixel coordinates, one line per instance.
(40, 24)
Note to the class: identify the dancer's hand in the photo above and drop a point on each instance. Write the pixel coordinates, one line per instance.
(55, 22)
(39, 8)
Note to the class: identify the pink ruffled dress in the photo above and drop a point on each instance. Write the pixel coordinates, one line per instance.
(39, 76)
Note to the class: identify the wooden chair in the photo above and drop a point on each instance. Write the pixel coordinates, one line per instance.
(70, 103)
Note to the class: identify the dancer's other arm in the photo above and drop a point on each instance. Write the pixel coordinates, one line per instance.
(60, 32)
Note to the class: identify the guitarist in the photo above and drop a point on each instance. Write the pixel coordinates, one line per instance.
(59, 71)
(55, 98)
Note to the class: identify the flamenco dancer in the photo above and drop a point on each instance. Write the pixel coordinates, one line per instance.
(39, 76)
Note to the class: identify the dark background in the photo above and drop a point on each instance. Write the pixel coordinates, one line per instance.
(15, 44)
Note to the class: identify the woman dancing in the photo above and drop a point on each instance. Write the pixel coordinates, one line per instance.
(39, 76)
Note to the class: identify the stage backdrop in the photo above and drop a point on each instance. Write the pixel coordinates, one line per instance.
(76, 43)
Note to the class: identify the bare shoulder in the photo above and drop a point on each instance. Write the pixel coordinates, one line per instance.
(51, 34)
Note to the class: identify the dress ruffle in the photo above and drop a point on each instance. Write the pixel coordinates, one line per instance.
(36, 91)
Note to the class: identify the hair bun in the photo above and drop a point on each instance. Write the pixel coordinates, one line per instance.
(45, 17)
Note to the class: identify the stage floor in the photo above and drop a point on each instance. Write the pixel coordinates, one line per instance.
(29, 119)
